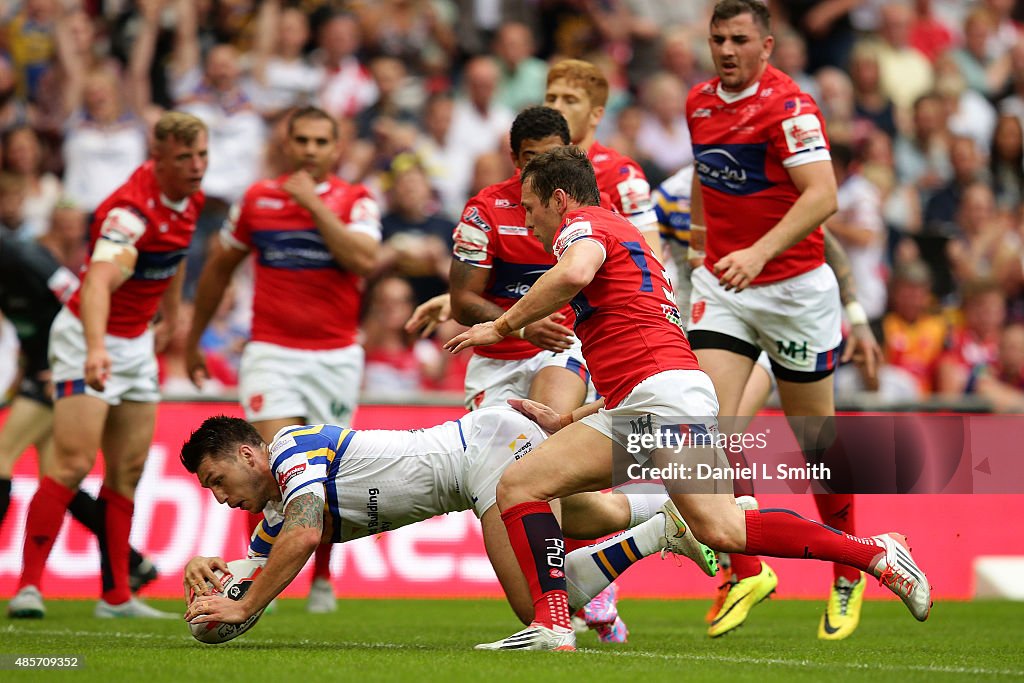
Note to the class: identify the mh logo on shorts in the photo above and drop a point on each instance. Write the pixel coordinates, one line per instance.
(791, 349)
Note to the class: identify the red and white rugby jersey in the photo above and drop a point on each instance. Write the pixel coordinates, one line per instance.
(138, 214)
(626, 318)
(743, 143)
(624, 182)
(493, 234)
(303, 298)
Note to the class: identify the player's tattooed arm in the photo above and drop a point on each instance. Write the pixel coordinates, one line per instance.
(836, 258)
(299, 537)
(305, 511)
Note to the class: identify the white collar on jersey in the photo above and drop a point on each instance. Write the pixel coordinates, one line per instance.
(178, 206)
(730, 97)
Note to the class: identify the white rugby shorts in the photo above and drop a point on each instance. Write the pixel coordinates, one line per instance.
(796, 321)
(494, 440)
(491, 381)
(133, 372)
(666, 399)
(316, 386)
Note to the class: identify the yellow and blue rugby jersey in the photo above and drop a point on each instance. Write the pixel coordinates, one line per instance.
(672, 207)
(370, 480)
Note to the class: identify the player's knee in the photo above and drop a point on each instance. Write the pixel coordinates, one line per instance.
(71, 469)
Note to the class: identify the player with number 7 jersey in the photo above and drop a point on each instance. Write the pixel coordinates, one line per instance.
(626, 318)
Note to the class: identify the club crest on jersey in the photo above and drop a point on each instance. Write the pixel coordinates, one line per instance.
(284, 477)
(697, 311)
(803, 133)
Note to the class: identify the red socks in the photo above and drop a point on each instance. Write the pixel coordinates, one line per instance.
(116, 512)
(45, 517)
(836, 510)
(783, 533)
(540, 548)
(322, 561)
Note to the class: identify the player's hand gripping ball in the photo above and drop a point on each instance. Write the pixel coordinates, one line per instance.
(236, 581)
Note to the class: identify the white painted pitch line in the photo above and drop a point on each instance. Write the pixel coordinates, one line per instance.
(725, 659)
(809, 663)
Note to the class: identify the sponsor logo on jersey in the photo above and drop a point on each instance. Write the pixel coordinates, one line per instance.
(598, 158)
(803, 133)
(513, 230)
(513, 280)
(796, 104)
(284, 477)
(697, 311)
(472, 217)
(269, 203)
(502, 203)
(702, 113)
(721, 164)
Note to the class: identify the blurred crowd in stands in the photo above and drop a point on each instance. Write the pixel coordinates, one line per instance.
(924, 101)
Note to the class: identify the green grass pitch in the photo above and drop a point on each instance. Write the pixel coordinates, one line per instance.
(425, 641)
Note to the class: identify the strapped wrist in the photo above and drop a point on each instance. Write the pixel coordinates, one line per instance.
(856, 314)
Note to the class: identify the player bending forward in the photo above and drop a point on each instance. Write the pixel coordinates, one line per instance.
(314, 483)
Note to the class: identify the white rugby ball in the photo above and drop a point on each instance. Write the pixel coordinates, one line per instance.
(236, 581)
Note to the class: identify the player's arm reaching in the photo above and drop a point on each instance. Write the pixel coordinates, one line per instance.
(468, 282)
(553, 290)
(816, 183)
(353, 249)
(861, 345)
(299, 536)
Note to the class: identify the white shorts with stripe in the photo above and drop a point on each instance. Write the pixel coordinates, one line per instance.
(796, 321)
(133, 372)
(662, 401)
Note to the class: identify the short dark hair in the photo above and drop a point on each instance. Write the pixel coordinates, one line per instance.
(757, 9)
(312, 113)
(218, 437)
(537, 123)
(566, 168)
